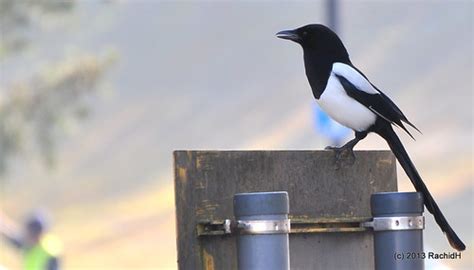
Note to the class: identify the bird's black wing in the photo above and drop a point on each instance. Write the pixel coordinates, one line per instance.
(379, 103)
(388, 100)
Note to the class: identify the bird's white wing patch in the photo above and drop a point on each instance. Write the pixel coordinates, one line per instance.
(354, 77)
(343, 108)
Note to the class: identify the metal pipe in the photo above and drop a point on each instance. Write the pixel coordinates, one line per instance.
(263, 227)
(332, 8)
(398, 230)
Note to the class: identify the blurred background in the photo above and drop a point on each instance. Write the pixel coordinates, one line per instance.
(95, 96)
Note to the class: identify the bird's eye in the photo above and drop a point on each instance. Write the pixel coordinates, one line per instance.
(305, 33)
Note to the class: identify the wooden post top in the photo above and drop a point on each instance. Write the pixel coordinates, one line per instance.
(206, 181)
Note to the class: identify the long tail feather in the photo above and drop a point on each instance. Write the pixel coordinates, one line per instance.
(411, 125)
(402, 156)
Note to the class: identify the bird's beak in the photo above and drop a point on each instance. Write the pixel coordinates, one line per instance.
(289, 34)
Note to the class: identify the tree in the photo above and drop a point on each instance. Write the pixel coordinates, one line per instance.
(33, 111)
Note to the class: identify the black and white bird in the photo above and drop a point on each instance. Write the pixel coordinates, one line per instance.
(348, 97)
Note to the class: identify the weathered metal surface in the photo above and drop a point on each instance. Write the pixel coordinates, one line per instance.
(327, 225)
(215, 227)
(205, 182)
(298, 225)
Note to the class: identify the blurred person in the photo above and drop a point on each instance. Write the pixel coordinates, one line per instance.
(40, 250)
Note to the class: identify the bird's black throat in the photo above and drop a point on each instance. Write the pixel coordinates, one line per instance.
(318, 66)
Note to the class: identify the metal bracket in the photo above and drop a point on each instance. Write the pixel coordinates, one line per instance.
(299, 225)
(263, 226)
(396, 223)
(228, 226)
(214, 227)
(327, 225)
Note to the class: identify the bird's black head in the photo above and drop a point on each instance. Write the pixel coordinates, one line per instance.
(318, 39)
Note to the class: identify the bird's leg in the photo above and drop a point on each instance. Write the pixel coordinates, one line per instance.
(346, 151)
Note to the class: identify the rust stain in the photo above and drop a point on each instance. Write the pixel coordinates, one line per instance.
(326, 230)
(199, 159)
(206, 206)
(182, 174)
(199, 211)
(202, 162)
(208, 260)
(327, 225)
(190, 155)
(182, 177)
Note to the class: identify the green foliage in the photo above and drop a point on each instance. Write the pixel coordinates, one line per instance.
(38, 110)
(19, 19)
(35, 111)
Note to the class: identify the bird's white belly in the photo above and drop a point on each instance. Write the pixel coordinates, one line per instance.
(344, 109)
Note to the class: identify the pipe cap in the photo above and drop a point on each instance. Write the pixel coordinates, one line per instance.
(393, 203)
(261, 203)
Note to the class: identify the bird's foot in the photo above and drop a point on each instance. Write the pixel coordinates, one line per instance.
(343, 156)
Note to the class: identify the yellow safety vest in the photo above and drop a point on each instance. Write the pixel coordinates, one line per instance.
(37, 257)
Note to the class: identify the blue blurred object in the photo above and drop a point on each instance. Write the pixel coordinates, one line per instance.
(329, 128)
(37, 222)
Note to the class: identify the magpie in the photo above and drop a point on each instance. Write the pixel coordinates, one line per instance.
(348, 97)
